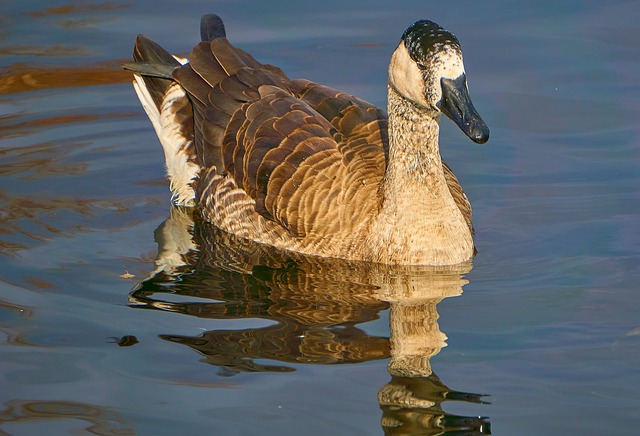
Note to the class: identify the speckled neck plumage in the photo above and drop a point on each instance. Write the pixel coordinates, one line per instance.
(419, 218)
(414, 154)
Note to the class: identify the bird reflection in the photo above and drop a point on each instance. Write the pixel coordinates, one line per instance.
(317, 305)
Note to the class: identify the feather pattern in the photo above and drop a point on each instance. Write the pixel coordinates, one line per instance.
(299, 165)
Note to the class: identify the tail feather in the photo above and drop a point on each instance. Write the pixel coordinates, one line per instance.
(170, 112)
(150, 55)
(154, 70)
(227, 56)
(205, 64)
(211, 27)
(190, 104)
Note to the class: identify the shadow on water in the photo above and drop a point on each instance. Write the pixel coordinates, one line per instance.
(317, 305)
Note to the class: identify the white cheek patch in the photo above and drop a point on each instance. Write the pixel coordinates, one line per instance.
(406, 77)
(410, 80)
(450, 62)
(446, 64)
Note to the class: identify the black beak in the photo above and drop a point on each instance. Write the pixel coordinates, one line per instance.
(456, 104)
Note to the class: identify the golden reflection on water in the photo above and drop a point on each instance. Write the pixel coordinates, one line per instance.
(33, 210)
(101, 421)
(45, 51)
(26, 77)
(21, 128)
(317, 305)
(47, 159)
(79, 8)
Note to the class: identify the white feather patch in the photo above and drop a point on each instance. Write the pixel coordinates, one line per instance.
(181, 170)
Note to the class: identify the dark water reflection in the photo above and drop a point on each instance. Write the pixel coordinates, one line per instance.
(316, 306)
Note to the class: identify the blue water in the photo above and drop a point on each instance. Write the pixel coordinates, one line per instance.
(97, 336)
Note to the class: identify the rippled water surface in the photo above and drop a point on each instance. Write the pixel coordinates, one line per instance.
(119, 315)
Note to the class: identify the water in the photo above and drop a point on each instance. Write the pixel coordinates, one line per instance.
(543, 329)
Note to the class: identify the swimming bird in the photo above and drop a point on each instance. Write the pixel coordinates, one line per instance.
(301, 166)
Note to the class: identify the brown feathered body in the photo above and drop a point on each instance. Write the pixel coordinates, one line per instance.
(301, 166)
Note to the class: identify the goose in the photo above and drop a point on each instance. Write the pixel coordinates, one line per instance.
(306, 168)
